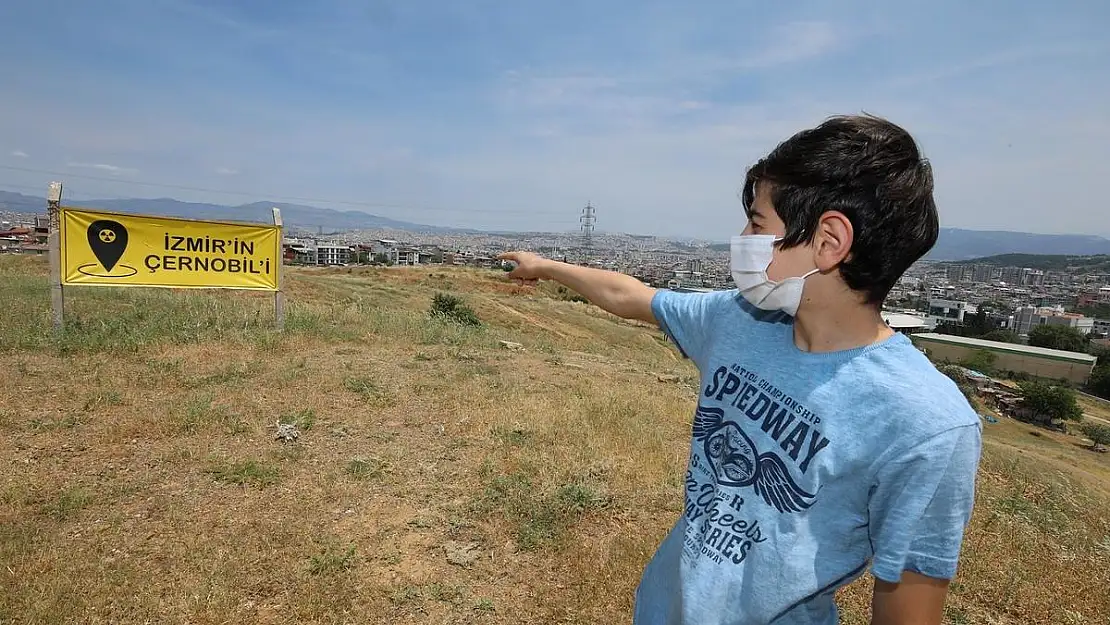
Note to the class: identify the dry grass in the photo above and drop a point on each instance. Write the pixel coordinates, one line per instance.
(142, 481)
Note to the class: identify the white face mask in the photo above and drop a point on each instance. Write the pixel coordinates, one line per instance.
(751, 255)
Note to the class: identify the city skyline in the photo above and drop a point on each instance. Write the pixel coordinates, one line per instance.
(506, 118)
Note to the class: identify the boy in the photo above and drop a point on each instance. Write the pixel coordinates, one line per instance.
(823, 442)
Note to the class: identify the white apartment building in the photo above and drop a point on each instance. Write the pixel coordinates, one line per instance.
(332, 254)
(948, 311)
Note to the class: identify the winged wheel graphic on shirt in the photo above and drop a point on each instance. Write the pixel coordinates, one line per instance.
(736, 462)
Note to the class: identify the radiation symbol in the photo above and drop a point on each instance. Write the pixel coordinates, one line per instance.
(107, 236)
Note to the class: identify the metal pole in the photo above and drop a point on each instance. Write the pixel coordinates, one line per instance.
(279, 295)
(54, 243)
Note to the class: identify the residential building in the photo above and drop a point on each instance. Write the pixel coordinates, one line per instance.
(1024, 319)
(332, 254)
(1041, 362)
(407, 256)
(1027, 317)
(982, 273)
(299, 252)
(42, 229)
(1074, 321)
(1092, 298)
(948, 311)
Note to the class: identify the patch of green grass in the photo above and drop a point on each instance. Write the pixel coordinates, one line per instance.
(473, 369)
(512, 436)
(439, 332)
(250, 472)
(231, 373)
(541, 518)
(332, 560)
(485, 606)
(406, 595)
(102, 399)
(955, 616)
(171, 366)
(200, 412)
(68, 422)
(577, 498)
(304, 419)
(365, 468)
(68, 503)
(369, 390)
(445, 592)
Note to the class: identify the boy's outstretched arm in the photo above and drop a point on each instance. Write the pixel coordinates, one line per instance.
(915, 600)
(622, 295)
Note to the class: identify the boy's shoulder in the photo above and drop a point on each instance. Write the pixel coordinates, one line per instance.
(912, 388)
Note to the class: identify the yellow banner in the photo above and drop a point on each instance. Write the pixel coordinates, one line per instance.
(117, 249)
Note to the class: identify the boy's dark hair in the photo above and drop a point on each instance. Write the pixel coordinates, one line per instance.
(872, 171)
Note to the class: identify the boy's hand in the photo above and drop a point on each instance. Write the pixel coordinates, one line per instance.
(529, 267)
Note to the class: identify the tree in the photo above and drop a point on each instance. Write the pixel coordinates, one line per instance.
(1002, 336)
(980, 360)
(1099, 384)
(1098, 433)
(1098, 311)
(1058, 337)
(1051, 402)
(951, 329)
(978, 324)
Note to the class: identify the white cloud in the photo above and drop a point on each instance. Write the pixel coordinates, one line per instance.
(225, 171)
(20, 154)
(115, 170)
(796, 41)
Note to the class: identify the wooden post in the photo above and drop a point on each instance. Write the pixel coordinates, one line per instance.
(54, 244)
(279, 295)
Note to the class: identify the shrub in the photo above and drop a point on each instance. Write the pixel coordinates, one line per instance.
(1098, 433)
(451, 308)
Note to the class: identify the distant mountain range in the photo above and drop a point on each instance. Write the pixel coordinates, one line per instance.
(955, 244)
(293, 215)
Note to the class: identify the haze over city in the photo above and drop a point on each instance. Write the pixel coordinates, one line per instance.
(512, 116)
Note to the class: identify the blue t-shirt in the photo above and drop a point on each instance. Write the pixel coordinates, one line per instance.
(804, 469)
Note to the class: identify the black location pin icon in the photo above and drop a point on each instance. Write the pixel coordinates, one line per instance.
(108, 240)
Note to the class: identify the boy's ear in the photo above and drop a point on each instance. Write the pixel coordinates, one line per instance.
(834, 240)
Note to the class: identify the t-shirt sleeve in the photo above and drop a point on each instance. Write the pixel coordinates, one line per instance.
(921, 504)
(686, 319)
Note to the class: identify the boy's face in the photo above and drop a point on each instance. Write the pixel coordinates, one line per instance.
(788, 263)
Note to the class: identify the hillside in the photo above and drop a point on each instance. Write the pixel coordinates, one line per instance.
(438, 477)
(1056, 262)
(958, 244)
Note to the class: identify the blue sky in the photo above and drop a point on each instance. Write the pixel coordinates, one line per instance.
(513, 114)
